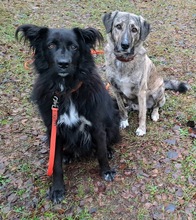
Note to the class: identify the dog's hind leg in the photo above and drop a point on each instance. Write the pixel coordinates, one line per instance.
(155, 114)
(102, 154)
(159, 102)
(57, 191)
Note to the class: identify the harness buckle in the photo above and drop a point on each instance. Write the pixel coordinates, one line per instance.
(55, 102)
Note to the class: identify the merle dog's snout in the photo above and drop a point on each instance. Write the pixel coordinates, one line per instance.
(125, 42)
(63, 63)
(124, 45)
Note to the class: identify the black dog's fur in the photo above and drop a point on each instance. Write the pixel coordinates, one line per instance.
(87, 117)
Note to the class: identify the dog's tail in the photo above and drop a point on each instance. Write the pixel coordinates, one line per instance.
(176, 85)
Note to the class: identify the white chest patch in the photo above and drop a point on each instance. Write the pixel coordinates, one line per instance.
(72, 118)
(61, 87)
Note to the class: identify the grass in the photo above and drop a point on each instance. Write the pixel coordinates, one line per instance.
(170, 46)
(152, 189)
(184, 132)
(143, 214)
(25, 168)
(3, 180)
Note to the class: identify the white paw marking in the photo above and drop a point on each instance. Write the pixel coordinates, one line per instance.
(140, 132)
(155, 116)
(124, 124)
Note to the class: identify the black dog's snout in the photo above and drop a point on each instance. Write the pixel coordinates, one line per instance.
(63, 63)
(124, 46)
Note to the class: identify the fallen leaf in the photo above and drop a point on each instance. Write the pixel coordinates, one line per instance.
(173, 155)
(128, 172)
(170, 141)
(154, 173)
(127, 194)
(100, 187)
(43, 151)
(170, 208)
(164, 197)
(119, 178)
(178, 165)
(122, 166)
(12, 198)
(148, 205)
(179, 192)
(92, 210)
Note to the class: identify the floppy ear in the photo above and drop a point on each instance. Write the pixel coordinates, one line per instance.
(108, 20)
(89, 35)
(145, 28)
(36, 36)
(32, 33)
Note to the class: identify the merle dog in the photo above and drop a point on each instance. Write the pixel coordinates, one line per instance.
(88, 119)
(136, 83)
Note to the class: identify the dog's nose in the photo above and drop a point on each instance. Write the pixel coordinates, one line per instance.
(124, 46)
(63, 64)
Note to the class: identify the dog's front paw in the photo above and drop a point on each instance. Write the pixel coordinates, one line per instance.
(140, 132)
(108, 175)
(155, 116)
(57, 195)
(124, 124)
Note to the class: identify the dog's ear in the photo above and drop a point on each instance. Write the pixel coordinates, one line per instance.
(145, 28)
(31, 33)
(108, 19)
(89, 35)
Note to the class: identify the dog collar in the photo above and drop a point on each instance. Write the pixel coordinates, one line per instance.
(77, 87)
(125, 60)
(71, 91)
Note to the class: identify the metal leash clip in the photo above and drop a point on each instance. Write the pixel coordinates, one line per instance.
(55, 102)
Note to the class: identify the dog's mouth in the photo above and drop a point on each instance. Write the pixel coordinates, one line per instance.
(124, 57)
(63, 74)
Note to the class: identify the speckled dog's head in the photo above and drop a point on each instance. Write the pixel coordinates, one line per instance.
(127, 31)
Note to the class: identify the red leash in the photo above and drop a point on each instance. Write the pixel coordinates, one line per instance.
(97, 52)
(54, 130)
(53, 136)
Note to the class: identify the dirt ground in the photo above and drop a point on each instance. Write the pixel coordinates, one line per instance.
(156, 174)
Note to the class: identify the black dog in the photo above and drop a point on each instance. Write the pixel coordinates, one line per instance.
(88, 120)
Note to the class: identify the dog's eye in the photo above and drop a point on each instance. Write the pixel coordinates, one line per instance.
(134, 30)
(74, 47)
(118, 26)
(51, 46)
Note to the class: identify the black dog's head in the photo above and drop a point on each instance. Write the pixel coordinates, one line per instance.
(59, 50)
